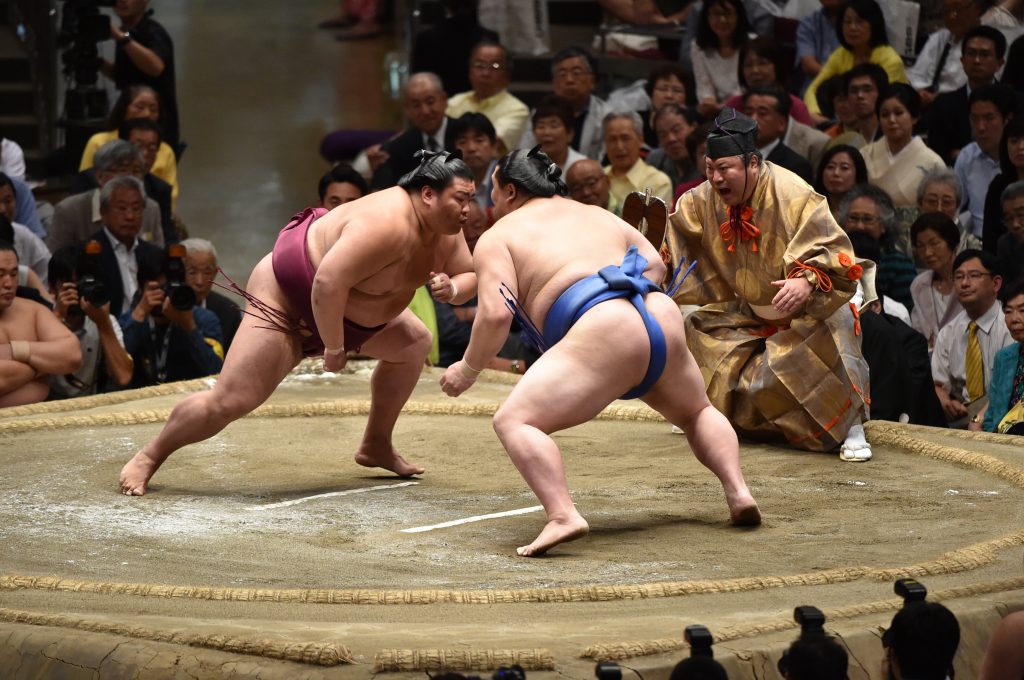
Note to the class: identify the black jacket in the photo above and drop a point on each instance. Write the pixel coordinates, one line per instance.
(110, 273)
(785, 157)
(400, 151)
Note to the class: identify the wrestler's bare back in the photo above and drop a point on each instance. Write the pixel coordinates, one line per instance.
(576, 241)
(412, 252)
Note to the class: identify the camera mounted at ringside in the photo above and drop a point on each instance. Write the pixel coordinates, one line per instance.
(82, 27)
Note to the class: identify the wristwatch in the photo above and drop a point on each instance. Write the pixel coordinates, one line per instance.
(125, 39)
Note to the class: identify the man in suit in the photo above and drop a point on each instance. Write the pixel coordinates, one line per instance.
(122, 201)
(200, 271)
(948, 118)
(424, 101)
(144, 135)
(769, 106)
(78, 216)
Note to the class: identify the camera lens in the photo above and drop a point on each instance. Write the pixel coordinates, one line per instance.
(182, 296)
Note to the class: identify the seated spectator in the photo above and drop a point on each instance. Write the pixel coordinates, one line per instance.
(589, 184)
(200, 272)
(105, 363)
(445, 48)
(900, 160)
(1011, 165)
(940, 191)
(477, 141)
(30, 284)
(965, 348)
(769, 106)
(1006, 15)
(552, 128)
(666, 84)
(865, 83)
(168, 344)
(144, 135)
(948, 117)
(698, 668)
(1004, 656)
(815, 657)
(424, 102)
(12, 159)
(32, 252)
(696, 146)
(573, 73)
(936, 239)
(937, 68)
(1010, 247)
(921, 642)
(628, 172)
(862, 40)
(34, 345)
(722, 30)
(1005, 411)
(488, 75)
(869, 209)
(837, 105)
(867, 247)
(761, 63)
(25, 208)
(339, 185)
(674, 124)
(842, 167)
(121, 200)
(136, 101)
(1013, 72)
(816, 40)
(977, 165)
(78, 216)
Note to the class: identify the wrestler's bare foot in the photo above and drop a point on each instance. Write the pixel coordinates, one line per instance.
(136, 473)
(743, 510)
(555, 532)
(389, 459)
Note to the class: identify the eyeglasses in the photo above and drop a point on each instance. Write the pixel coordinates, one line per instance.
(960, 277)
(486, 66)
(1014, 218)
(979, 54)
(584, 185)
(669, 89)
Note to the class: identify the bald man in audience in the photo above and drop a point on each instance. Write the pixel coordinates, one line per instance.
(588, 184)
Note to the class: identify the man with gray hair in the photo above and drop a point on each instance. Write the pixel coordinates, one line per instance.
(424, 102)
(77, 216)
(623, 137)
(200, 271)
(121, 207)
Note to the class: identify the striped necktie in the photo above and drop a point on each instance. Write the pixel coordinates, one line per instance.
(974, 364)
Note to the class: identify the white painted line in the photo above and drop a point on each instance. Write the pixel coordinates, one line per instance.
(477, 518)
(349, 492)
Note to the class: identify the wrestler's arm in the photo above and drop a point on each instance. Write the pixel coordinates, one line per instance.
(493, 263)
(457, 269)
(656, 269)
(361, 251)
(56, 349)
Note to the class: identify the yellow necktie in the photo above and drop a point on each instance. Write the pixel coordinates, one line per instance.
(975, 366)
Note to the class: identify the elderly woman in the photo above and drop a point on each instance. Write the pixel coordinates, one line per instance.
(900, 159)
(941, 191)
(936, 239)
(1005, 411)
(869, 209)
(841, 168)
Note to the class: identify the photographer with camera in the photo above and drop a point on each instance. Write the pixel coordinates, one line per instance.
(922, 639)
(815, 655)
(144, 55)
(168, 337)
(83, 306)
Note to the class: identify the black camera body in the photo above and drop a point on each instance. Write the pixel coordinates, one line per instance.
(90, 286)
(93, 291)
(82, 27)
(181, 295)
(700, 640)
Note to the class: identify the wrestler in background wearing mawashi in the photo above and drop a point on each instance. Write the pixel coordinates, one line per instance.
(337, 281)
(605, 336)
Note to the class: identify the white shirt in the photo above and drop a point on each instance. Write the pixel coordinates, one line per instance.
(922, 72)
(438, 136)
(949, 360)
(127, 264)
(12, 159)
(976, 169)
(92, 352)
(32, 252)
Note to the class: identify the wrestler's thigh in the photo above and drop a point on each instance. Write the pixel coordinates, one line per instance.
(680, 392)
(601, 358)
(259, 357)
(405, 338)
